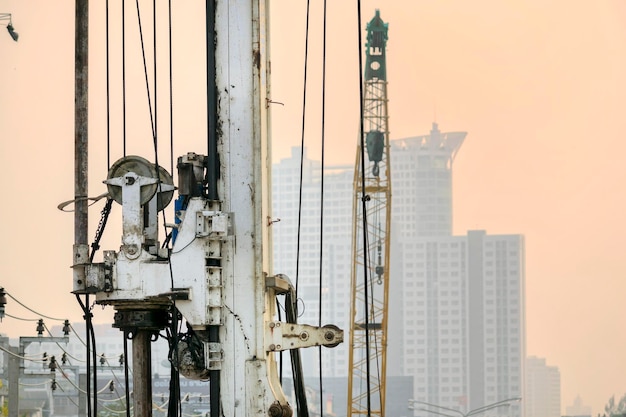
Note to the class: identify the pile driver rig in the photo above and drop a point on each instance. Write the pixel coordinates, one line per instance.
(217, 275)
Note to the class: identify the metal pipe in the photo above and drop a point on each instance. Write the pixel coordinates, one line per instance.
(214, 376)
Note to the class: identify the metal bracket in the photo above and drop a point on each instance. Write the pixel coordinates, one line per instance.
(212, 224)
(213, 356)
(283, 336)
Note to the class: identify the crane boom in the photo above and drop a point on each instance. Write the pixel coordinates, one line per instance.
(370, 237)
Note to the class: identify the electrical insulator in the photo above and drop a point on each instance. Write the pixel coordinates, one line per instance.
(40, 327)
(53, 364)
(45, 359)
(3, 302)
(66, 328)
(102, 360)
(64, 358)
(54, 384)
(122, 359)
(111, 386)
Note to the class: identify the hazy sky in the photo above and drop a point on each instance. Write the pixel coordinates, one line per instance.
(538, 85)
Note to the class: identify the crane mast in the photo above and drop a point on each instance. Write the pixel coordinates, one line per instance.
(370, 237)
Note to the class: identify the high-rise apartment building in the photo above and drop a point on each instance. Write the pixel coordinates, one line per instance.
(460, 299)
(421, 170)
(335, 259)
(543, 388)
(456, 306)
(462, 315)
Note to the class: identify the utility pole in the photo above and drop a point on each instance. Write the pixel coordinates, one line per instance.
(81, 157)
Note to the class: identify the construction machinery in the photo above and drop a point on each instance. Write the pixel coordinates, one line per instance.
(217, 275)
(370, 237)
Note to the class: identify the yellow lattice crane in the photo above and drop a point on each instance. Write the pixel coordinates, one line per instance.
(370, 237)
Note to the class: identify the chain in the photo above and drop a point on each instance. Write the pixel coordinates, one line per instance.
(104, 216)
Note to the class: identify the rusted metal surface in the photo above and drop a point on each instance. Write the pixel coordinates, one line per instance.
(142, 388)
(81, 40)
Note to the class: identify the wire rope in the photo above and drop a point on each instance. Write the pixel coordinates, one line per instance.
(73, 357)
(174, 409)
(77, 336)
(321, 260)
(171, 85)
(109, 400)
(110, 410)
(61, 347)
(19, 318)
(123, 78)
(87, 316)
(108, 88)
(306, 60)
(105, 387)
(38, 384)
(156, 101)
(64, 374)
(72, 401)
(26, 358)
(115, 377)
(57, 343)
(145, 70)
(364, 211)
(94, 356)
(30, 309)
(126, 379)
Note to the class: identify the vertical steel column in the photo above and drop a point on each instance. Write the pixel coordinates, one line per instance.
(211, 94)
(142, 375)
(81, 39)
(212, 175)
(81, 224)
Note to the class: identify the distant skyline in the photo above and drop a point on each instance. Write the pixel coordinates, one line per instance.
(537, 85)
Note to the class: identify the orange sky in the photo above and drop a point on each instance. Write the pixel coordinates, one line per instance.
(537, 85)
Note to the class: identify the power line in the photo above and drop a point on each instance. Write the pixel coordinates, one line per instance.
(30, 309)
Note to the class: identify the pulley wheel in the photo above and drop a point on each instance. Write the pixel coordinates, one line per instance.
(143, 168)
(335, 328)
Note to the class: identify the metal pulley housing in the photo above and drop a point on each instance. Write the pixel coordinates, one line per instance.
(190, 360)
(375, 143)
(143, 168)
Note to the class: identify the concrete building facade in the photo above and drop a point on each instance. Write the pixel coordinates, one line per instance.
(456, 303)
(543, 388)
